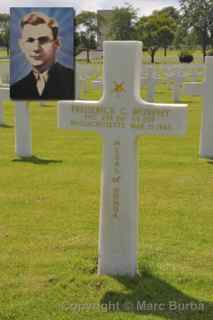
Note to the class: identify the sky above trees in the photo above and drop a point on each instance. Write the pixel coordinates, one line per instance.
(145, 6)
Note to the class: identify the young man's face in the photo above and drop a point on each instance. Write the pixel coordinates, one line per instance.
(38, 45)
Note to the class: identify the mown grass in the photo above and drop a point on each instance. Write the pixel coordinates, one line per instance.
(172, 56)
(3, 53)
(49, 225)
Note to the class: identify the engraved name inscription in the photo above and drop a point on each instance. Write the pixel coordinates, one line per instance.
(148, 119)
(116, 177)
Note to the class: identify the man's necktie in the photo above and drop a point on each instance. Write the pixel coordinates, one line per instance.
(41, 79)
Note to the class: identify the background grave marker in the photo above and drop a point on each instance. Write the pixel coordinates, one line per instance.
(206, 135)
(193, 89)
(204, 89)
(177, 79)
(23, 140)
(4, 95)
(23, 135)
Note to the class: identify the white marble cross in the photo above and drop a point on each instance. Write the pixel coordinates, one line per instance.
(23, 136)
(193, 89)
(4, 95)
(23, 143)
(120, 117)
(97, 84)
(204, 89)
(151, 81)
(206, 135)
(178, 79)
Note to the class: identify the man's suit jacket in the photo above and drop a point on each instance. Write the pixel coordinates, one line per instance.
(60, 86)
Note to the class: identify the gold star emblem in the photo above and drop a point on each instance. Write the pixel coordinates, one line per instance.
(119, 87)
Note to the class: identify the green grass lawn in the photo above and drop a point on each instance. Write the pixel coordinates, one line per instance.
(172, 56)
(3, 53)
(49, 226)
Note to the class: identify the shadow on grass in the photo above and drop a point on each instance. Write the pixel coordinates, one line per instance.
(208, 160)
(47, 104)
(36, 160)
(186, 100)
(149, 295)
(6, 126)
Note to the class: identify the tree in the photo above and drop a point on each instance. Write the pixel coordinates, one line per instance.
(77, 43)
(166, 37)
(4, 18)
(156, 30)
(147, 32)
(87, 42)
(4, 35)
(122, 23)
(86, 22)
(171, 12)
(185, 39)
(6, 38)
(198, 15)
(168, 20)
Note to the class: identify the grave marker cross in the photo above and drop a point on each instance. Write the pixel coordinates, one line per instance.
(4, 95)
(206, 136)
(23, 143)
(204, 89)
(121, 116)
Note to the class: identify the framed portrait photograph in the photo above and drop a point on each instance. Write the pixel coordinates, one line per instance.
(42, 64)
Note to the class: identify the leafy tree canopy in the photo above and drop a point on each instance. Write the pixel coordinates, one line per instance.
(198, 15)
(85, 39)
(122, 24)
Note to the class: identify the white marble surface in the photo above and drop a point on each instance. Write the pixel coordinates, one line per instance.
(205, 90)
(178, 80)
(4, 95)
(120, 117)
(193, 89)
(206, 135)
(23, 137)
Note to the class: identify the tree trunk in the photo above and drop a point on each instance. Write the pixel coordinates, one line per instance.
(204, 52)
(152, 56)
(88, 59)
(204, 45)
(165, 51)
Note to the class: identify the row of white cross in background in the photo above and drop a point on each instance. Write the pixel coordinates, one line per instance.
(176, 76)
(189, 88)
(173, 75)
(192, 71)
(120, 117)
